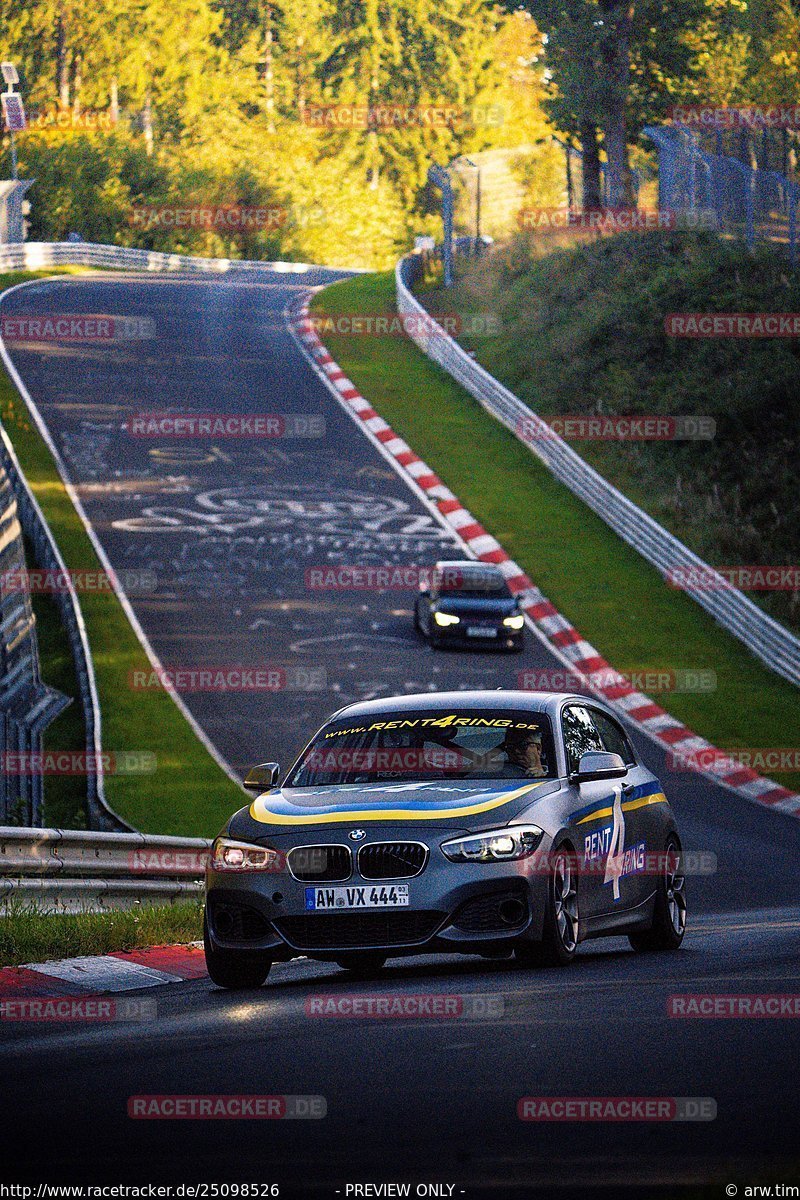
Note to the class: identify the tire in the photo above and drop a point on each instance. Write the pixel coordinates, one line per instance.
(429, 637)
(235, 969)
(561, 927)
(669, 910)
(364, 964)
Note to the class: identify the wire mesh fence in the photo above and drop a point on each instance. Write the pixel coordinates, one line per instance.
(736, 195)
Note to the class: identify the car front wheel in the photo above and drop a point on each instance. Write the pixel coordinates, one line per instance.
(234, 969)
(669, 908)
(561, 921)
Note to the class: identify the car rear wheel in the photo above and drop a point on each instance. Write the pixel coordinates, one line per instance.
(235, 969)
(362, 964)
(561, 920)
(669, 909)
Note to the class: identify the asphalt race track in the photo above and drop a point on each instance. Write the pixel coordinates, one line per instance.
(226, 531)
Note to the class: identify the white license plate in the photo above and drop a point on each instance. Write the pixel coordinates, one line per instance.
(369, 895)
(481, 631)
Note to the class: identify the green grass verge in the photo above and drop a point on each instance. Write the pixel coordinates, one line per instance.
(29, 935)
(187, 793)
(613, 596)
(581, 331)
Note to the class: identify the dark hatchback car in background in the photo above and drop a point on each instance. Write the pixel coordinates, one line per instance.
(483, 823)
(469, 604)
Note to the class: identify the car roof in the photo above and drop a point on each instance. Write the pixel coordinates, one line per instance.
(543, 702)
(468, 566)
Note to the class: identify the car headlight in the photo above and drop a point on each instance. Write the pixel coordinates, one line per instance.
(498, 845)
(228, 855)
(445, 619)
(515, 622)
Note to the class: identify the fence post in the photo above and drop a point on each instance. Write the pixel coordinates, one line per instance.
(750, 211)
(440, 178)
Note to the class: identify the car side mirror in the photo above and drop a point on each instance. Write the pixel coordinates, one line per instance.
(265, 775)
(596, 765)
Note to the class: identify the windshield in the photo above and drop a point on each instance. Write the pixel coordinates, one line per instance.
(459, 580)
(500, 592)
(429, 746)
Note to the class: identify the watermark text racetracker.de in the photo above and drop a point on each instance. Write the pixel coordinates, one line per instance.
(75, 327)
(368, 577)
(396, 116)
(762, 759)
(56, 121)
(229, 678)
(749, 578)
(413, 325)
(639, 427)
(613, 220)
(435, 1006)
(227, 1107)
(744, 116)
(225, 425)
(735, 1006)
(77, 1009)
(732, 325)
(226, 218)
(647, 680)
(151, 860)
(617, 1108)
(62, 583)
(77, 762)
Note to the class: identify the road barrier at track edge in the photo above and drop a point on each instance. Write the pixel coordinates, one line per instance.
(765, 637)
(554, 630)
(65, 870)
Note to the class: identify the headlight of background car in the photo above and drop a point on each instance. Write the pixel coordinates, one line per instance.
(498, 845)
(515, 622)
(446, 618)
(228, 855)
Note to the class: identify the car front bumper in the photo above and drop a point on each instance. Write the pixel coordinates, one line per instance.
(453, 908)
(497, 637)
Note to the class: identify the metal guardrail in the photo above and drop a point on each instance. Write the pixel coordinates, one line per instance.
(27, 705)
(48, 556)
(35, 256)
(770, 641)
(65, 870)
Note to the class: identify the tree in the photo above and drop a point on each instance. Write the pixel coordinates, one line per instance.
(619, 64)
(575, 65)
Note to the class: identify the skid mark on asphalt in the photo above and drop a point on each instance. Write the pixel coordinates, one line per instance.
(229, 527)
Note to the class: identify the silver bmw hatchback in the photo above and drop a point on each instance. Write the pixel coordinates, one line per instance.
(491, 823)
